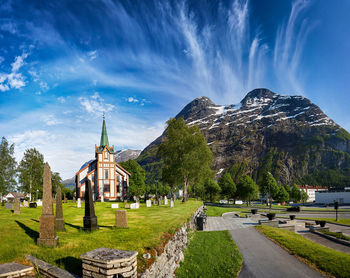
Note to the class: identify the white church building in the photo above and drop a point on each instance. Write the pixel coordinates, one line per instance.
(109, 180)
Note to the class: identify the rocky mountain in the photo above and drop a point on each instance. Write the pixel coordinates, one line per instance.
(287, 135)
(125, 155)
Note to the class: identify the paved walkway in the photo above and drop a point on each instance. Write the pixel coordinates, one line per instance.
(261, 257)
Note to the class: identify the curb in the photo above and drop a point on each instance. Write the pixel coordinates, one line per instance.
(337, 240)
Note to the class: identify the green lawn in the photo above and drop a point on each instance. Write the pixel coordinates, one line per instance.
(328, 260)
(148, 228)
(211, 254)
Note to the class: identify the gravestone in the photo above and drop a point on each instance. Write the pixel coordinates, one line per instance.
(39, 203)
(120, 219)
(59, 211)
(65, 198)
(165, 200)
(17, 206)
(3, 203)
(126, 205)
(115, 206)
(33, 205)
(171, 203)
(135, 206)
(154, 202)
(47, 219)
(9, 206)
(79, 203)
(148, 203)
(74, 199)
(102, 198)
(90, 219)
(25, 204)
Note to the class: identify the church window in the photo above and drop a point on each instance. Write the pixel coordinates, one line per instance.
(106, 188)
(118, 178)
(106, 155)
(118, 188)
(106, 174)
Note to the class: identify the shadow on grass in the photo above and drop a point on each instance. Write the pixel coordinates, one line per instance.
(30, 232)
(74, 226)
(108, 227)
(71, 264)
(35, 220)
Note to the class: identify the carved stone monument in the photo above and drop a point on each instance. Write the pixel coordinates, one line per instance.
(90, 219)
(17, 209)
(120, 219)
(59, 211)
(47, 219)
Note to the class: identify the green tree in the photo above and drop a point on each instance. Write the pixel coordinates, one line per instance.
(295, 193)
(8, 167)
(137, 178)
(282, 195)
(56, 181)
(31, 170)
(303, 196)
(247, 189)
(268, 187)
(212, 189)
(228, 187)
(186, 155)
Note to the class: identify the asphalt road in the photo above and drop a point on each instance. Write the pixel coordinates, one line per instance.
(263, 258)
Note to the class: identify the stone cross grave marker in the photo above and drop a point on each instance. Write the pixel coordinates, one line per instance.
(90, 219)
(79, 203)
(120, 219)
(17, 209)
(59, 211)
(47, 219)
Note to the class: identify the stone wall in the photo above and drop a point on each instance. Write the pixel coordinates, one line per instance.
(166, 264)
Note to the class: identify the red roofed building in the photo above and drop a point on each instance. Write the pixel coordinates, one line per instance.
(311, 190)
(108, 179)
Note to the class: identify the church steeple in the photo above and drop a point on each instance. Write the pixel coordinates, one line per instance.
(104, 137)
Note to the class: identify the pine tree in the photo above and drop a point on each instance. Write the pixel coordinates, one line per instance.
(8, 167)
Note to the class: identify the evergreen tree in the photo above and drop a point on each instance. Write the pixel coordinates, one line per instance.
(31, 169)
(212, 189)
(268, 187)
(228, 187)
(8, 167)
(247, 188)
(282, 195)
(295, 193)
(186, 155)
(137, 177)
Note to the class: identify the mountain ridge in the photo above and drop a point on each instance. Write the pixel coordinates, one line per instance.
(290, 134)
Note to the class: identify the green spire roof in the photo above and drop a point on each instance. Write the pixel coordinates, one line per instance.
(104, 136)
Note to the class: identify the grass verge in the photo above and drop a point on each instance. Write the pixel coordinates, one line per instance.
(336, 234)
(326, 259)
(211, 254)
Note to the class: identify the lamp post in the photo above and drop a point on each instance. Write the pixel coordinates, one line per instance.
(336, 206)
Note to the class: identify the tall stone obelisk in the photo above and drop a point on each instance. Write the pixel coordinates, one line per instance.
(59, 211)
(47, 219)
(90, 219)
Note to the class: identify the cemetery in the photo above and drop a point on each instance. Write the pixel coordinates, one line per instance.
(143, 230)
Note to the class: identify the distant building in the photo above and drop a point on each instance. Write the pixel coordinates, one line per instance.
(12, 195)
(109, 180)
(329, 197)
(311, 190)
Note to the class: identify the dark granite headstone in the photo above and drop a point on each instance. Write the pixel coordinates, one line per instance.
(90, 219)
(17, 209)
(47, 219)
(33, 205)
(59, 211)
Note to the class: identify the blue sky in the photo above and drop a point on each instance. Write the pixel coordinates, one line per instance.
(64, 63)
